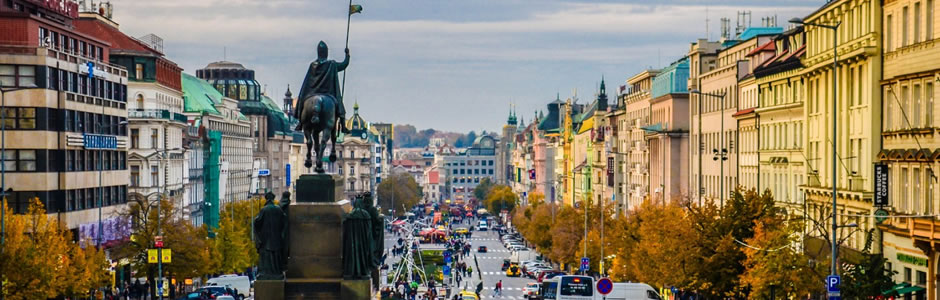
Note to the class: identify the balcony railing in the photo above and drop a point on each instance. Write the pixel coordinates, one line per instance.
(156, 114)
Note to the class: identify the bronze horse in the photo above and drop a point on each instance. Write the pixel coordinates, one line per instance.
(319, 124)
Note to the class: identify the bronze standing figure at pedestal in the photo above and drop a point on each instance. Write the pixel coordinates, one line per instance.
(358, 260)
(270, 228)
(320, 106)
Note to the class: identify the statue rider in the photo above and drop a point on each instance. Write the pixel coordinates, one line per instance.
(322, 78)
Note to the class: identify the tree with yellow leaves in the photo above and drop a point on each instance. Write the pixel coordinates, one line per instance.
(501, 197)
(232, 248)
(774, 263)
(41, 261)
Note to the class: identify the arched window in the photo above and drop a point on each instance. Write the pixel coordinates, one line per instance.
(140, 101)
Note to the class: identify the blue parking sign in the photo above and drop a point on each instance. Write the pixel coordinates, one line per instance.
(832, 283)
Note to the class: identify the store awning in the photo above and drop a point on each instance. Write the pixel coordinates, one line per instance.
(902, 289)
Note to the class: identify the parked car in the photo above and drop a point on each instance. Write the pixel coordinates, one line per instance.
(533, 271)
(481, 249)
(236, 282)
(517, 247)
(547, 274)
(530, 289)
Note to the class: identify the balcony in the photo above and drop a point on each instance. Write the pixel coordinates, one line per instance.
(156, 114)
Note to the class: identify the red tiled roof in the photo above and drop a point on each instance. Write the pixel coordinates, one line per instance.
(769, 46)
(432, 178)
(404, 163)
(106, 32)
(743, 112)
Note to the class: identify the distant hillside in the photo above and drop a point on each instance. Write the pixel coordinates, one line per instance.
(407, 136)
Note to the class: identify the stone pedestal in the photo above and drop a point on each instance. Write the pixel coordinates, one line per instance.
(269, 289)
(316, 243)
(315, 264)
(319, 188)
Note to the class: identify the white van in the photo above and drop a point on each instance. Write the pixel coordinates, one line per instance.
(632, 291)
(241, 283)
(481, 226)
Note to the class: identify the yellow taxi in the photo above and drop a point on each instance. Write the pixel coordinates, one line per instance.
(513, 270)
(465, 295)
(461, 230)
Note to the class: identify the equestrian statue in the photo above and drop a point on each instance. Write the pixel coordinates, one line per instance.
(320, 106)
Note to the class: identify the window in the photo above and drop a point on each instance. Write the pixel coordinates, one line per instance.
(139, 71)
(929, 21)
(928, 111)
(905, 104)
(69, 160)
(154, 138)
(17, 76)
(917, 107)
(917, 22)
(19, 160)
(135, 137)
(907, 275)
(905, 186)
(918, 206)
(19, 117)
(154, 176)
(904, 27)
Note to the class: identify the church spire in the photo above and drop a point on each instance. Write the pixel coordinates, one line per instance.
(288, 102)
(512, 115)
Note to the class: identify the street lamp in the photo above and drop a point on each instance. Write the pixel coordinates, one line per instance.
(835, 66)
(721, 140)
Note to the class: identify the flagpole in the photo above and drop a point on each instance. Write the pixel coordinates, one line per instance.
(348, 18)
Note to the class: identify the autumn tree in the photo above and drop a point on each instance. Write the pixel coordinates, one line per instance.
(566, 234)
(398, 192)
(501, 197)
(40, 259)
(232, 247)
(158, 216)
(719, 233)
(482, 190)
(774, 263)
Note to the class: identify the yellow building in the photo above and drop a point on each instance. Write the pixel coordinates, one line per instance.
(859, 111)
(714, 125)
(780, 121)
(911, 146)
(636, 103)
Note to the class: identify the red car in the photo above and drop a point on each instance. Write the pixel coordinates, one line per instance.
(548, 274)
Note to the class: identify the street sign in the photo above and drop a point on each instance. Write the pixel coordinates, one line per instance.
(158, 241)
(585, 263)
(881, 185)
(446, 270)
(152, 256)
(832, 283)
(287, 175)
(264, 172)
(167, 256)
(604, 286)
(881, 215)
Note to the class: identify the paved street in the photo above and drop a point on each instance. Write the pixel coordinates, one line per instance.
(489, 263)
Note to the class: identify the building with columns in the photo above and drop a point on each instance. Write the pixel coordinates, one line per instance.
(857, 114)
(911, 147)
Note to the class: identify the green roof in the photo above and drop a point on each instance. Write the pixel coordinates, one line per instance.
(199, 96)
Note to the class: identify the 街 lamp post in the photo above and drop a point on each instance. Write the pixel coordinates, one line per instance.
(719, 154)
(835, 66)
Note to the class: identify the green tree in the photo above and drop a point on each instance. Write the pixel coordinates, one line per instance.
(500, 198)
(867, 279)
(482, 190)
(399, 192)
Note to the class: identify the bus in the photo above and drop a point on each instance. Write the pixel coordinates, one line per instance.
(567, 287)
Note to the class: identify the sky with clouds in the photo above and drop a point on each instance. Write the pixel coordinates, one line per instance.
(445, 64)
